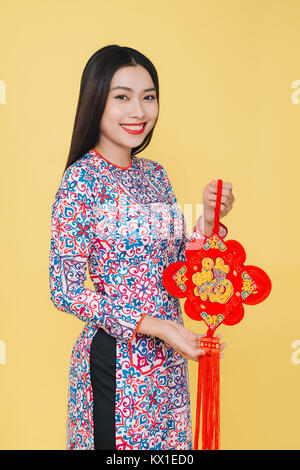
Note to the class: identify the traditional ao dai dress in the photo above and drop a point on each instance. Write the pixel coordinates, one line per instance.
(125, 224)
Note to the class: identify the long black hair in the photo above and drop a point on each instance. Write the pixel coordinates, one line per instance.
(94, 89)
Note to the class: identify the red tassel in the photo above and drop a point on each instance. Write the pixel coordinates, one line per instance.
(208, 395)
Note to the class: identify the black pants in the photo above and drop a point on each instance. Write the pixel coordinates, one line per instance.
(103, 378)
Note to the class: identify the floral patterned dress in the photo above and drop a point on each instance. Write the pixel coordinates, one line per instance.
(125, 224)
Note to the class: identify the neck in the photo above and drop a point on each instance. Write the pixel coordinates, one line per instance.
(120, 156)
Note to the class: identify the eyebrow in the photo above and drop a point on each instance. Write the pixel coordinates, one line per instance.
(130, 89)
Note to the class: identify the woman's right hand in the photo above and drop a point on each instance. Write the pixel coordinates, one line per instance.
(171, 334)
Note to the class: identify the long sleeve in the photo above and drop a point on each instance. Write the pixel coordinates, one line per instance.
(72, 234)
(197, 238)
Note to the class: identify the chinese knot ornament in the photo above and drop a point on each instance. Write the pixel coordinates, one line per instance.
(216, 285)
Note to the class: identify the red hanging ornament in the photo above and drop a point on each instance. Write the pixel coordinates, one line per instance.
(216, 284)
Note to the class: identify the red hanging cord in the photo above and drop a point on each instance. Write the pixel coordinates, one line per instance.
(217, 208)
(208, 393)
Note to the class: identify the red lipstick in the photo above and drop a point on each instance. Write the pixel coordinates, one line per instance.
(134, 131)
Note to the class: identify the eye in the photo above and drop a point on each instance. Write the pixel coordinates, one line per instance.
(151, 96)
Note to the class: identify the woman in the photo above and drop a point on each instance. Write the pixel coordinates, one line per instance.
(128, 382)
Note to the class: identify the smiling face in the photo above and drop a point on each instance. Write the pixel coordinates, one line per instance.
(130, 113)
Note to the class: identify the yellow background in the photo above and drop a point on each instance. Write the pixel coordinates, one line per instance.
(228, 110)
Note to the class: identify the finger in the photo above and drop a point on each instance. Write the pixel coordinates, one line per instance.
(224, 209)
(213, 190)
(199, 339)
(200, 352)
(225, 199)
(211, 194)
(200, 335)
(213, 204)
(192, 353)
(223, 346)
(196, 358)
(225, 184)
(221, 356)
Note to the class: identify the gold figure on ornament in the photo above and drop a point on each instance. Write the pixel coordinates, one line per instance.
(211, 282)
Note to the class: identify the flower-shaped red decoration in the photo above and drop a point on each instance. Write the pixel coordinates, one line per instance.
(216, 283)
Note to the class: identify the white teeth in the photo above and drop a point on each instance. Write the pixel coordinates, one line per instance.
(133, 128)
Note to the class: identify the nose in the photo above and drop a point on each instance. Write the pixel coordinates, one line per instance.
(137, 109)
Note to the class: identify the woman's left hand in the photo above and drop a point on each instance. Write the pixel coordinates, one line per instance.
(210, 198)
(194, 339)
